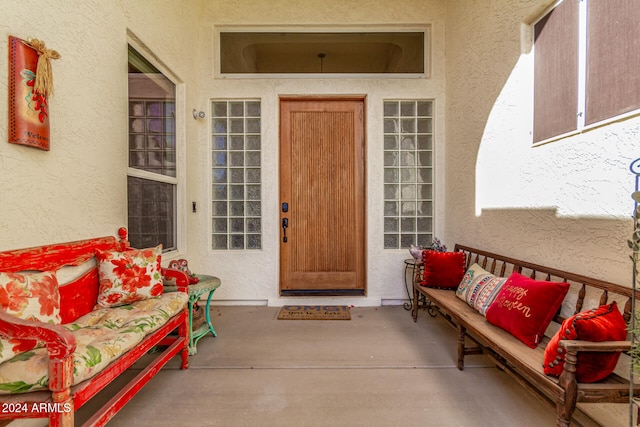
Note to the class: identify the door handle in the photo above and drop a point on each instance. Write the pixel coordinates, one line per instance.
(285, 225)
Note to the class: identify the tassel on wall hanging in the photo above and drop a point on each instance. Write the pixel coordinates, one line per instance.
(30, 85)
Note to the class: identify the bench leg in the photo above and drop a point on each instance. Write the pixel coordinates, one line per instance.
(414, 310)
(567, 380)
(60, 378)
(62, 416)
(462, 334)
(184, 330)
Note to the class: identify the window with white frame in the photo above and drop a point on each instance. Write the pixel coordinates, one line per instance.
(236, 174)
(586, 62)
(151, 178)
(408, 173)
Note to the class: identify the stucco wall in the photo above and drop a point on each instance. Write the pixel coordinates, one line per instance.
(253, 275)
(566, 203)
(70, 192)
(78, 189)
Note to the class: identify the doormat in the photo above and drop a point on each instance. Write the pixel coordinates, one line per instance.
(314, 312)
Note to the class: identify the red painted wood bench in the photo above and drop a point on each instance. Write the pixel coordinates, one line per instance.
(61, 398)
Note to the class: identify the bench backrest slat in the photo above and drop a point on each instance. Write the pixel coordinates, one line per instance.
(605, 297)
(581, 295)
(502, 270)
(627, 311)
(588, 291)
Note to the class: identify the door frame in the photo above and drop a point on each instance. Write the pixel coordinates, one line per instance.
(326, 98)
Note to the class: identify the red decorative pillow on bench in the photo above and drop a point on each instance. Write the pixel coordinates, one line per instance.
(602, 324)
(525, 307)
(442, 269)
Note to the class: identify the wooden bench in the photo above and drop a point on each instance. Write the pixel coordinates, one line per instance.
(477, 336)
(62, 396)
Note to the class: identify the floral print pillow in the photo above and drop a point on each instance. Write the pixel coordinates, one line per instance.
(129, 276)
(29, 296)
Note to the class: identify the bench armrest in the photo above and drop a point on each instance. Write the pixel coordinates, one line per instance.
(575, 346)
(567, 378)
(180, 277)
(60, 343)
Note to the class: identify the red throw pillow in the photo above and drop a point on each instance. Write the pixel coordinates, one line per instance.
(602, 324)
(525, 307)
(443, 269)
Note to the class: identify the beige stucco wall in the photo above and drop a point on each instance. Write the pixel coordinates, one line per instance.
(566, 203)
(78, 189)
(253, 275)
(70, 192)
(563, 204)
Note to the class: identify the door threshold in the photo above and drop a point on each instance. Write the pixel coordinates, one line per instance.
(323, 293)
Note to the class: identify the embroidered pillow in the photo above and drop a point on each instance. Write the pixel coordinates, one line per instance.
(524, 307)
(479, 288)
(29, 296)
(129, 276)
(442, 269)
(604, 323)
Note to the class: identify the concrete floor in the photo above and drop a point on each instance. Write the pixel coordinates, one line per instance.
(377, 369)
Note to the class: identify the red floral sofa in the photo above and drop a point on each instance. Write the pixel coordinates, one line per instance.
(74, 316)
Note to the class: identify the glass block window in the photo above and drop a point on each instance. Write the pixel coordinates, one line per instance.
(152, 213)
(152, 135)
(151, 181)
(236, 174)
(408, 173)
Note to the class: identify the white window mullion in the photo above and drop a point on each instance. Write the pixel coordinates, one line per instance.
(138, 173)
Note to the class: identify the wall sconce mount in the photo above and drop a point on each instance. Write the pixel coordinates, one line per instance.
(198, 114)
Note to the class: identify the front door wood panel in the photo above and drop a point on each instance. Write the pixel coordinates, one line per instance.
(322, 180)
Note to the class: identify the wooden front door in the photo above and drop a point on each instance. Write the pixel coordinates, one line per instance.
(322, 185)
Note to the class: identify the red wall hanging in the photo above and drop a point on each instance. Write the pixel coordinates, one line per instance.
(30, 85)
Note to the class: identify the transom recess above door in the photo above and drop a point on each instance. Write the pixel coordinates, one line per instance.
(261, 52)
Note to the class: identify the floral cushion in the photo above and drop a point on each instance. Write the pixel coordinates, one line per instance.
(101, 336)
(129, 276)
(29, 296)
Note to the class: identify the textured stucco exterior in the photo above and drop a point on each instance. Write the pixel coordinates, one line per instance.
(78, 189)
(254, 275)
(565, 203)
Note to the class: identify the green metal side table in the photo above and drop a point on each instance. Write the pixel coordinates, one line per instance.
(196, 290)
